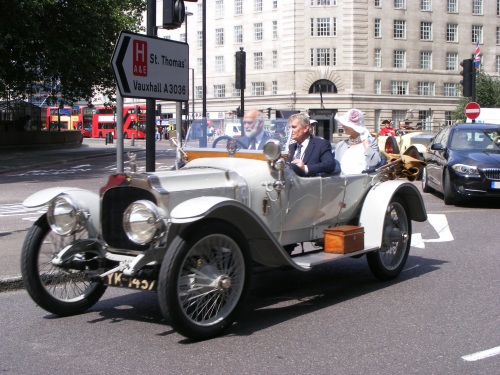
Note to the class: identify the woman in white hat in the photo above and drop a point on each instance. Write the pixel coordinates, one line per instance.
(360, 151)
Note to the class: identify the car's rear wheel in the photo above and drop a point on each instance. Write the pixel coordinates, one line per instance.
(204, 279)
(59, 290)
(388, 262)
(450, 196)
(391, 145)
(425, 181)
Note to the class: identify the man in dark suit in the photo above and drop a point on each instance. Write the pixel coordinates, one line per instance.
(255, 137)
(309, 155)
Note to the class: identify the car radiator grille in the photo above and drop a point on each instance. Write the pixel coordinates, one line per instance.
(114, 203)
(492, 173)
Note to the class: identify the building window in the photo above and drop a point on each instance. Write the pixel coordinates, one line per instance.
(238, 34)
(426, 60)
(378, 58)
(323, 86)
(199, 39)
(378, 28)
(275, 4)
(275, 59)
(219, 91)
(235, 92)
(238, 7)
(399, 29)
(448, 118)
(275, 87)
(399, 4)
(323, 56)
(219, 64)
(219, 37)
(497, 64)
(257, 31)
(199, 65)
(498, 34)
(257, 88)
(275, 29)
(219, 8)
(322, 2)
(477, 34)
(200, 12)
(451, 61)
(323, 26)
(426, 5)
(452, 32)
(425, 30)
(452, 6)
(378, 87)
(426, 88)
(257, 60)
(399, 59)
(182, 37)
(450, 89)
(399, 87)
(477, 7)
(378, 4)
(257, 5)
(199, 92)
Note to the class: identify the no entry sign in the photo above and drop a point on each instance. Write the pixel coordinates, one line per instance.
(472, 110)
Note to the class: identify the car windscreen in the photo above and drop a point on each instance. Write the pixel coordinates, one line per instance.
(475, 139)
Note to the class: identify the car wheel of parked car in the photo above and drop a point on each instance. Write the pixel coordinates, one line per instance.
(425, 181)
(60, 290)
(204, 279)
(450, 196)
(227, 138)
(388, 262)
(391, 145)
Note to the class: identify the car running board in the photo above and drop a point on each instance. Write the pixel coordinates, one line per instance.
(311, 259)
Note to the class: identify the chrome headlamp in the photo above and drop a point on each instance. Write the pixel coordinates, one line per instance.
(143, 222)
(272, 149)
(464, 169)
(64, 215)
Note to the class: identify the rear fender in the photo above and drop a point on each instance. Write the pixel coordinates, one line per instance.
(86, 200)
(375, 206)
(264, 246)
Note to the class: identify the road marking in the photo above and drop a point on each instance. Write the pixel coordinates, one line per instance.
(482, 355)
(440, 224)
(7, 210)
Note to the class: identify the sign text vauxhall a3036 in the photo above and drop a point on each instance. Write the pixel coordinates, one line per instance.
(150, 67)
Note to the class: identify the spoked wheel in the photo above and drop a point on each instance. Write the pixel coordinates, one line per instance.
(388, 262)
(62, 291)
(204, 279)
(228, 138)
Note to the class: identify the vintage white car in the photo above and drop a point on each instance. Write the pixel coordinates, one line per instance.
(403, 142)
(194, 234)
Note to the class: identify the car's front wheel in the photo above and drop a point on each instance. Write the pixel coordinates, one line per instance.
(450, 196)
(59, 290)
(425, 181)
(388, 262)
(204, 279)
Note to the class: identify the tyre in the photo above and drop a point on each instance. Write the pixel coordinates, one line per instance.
(388, 262)
(204, 279)
(391, 145)
(425, 181)
(450, 196)
(61, 291)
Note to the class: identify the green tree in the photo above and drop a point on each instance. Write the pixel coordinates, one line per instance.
(487, 95)
(62, 46)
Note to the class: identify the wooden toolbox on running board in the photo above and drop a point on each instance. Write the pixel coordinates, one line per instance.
(344, 239)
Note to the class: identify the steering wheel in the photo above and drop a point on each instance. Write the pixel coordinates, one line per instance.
(400, 132)
(228, 138)
(496, 140)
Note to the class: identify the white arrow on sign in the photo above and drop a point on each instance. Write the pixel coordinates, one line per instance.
(150, 67)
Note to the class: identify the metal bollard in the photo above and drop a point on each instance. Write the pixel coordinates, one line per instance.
(132, 140)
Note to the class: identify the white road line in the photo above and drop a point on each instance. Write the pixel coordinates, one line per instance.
(440, 225)
(482, 355)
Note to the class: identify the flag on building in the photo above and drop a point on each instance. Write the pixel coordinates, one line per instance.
(478, 55)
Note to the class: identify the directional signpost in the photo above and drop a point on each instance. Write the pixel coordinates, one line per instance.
(472, 110)
(151, 68)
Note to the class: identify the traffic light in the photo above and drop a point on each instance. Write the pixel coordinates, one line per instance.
(468, 76)
(238, 112)
(241, 58)
(158, 110)
(137, 112)
(267, 112)
(174, 13)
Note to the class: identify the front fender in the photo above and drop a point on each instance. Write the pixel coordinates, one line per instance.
(264, 246)
(375, 206)
(86, 200)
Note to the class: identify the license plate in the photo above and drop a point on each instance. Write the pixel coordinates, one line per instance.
(495, 184)
(120, 280)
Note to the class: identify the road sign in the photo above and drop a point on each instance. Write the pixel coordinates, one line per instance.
(151, 68)
(472, 110)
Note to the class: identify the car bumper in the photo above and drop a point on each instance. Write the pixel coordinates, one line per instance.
(476, 186)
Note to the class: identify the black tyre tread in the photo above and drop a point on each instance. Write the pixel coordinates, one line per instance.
(425, 182)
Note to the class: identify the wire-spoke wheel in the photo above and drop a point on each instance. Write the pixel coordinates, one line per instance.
(204, 280)
(388, 262)
(59, 290)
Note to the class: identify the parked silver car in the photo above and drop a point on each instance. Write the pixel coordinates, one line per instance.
(195, 233)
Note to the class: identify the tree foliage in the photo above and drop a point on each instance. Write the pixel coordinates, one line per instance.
(487, 95)
(62, 46)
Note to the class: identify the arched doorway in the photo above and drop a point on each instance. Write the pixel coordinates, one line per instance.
(323, 86)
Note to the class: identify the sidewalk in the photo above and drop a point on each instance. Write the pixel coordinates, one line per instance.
(16, 160)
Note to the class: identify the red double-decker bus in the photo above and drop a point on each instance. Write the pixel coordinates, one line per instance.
(81, 117)
(55, 118)
(134, 122)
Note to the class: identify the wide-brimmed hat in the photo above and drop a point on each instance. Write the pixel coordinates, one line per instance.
(386, 122)
(354, 119)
